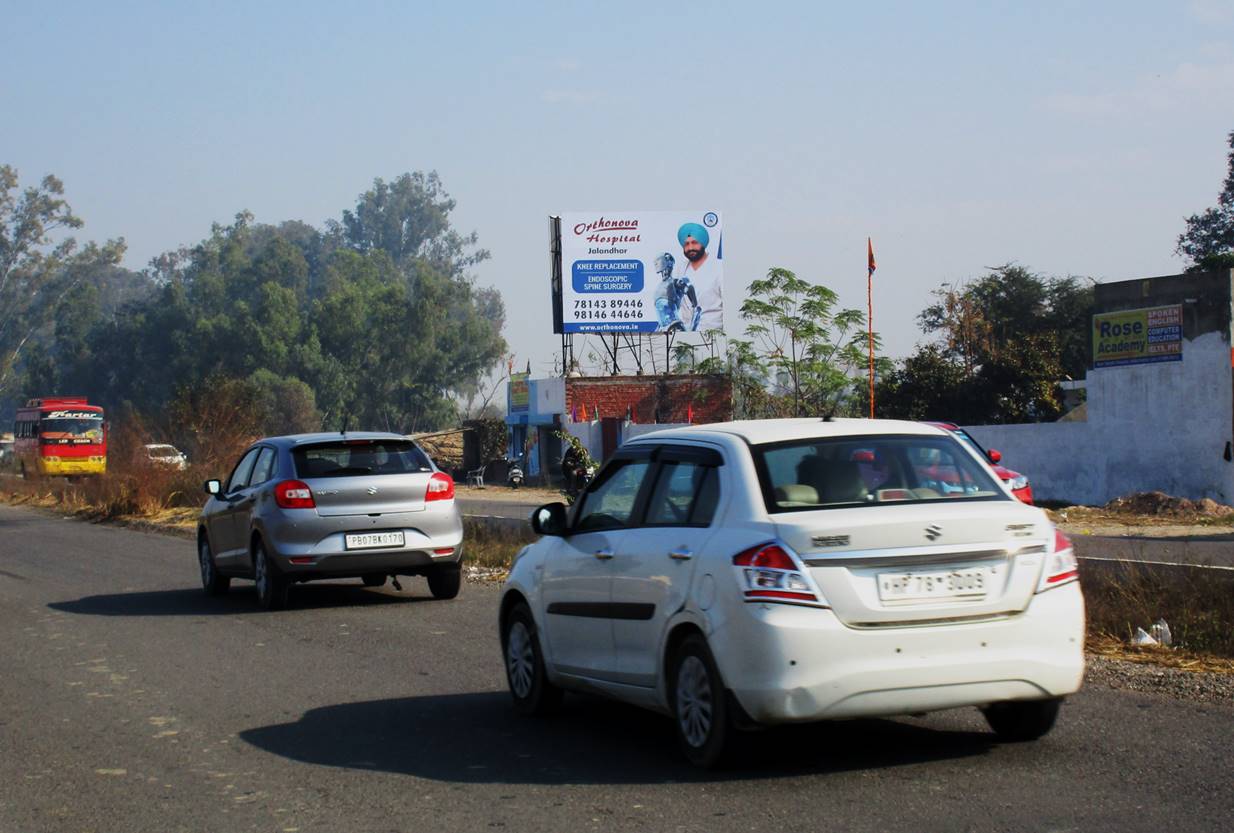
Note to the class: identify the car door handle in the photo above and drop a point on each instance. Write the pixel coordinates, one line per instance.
(603, 555)
(680, 554)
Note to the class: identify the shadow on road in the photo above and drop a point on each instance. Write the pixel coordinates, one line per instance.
(478, 738)
(241, 599)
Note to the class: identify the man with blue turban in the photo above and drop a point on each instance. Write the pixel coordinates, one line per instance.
(704, 273)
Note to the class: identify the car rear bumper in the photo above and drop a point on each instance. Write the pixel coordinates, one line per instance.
(315, 547)
(787, 664)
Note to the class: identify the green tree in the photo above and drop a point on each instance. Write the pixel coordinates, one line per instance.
(37, 273)
(349, 324)
(1208, 241)
(814, 353)
(409, 219)
(1003, 342)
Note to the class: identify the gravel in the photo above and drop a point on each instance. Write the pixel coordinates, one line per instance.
(1199, 686)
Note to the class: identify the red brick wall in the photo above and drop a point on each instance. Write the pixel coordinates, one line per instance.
(652, 399)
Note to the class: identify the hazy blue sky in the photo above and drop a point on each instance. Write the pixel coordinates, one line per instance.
(1069, 137)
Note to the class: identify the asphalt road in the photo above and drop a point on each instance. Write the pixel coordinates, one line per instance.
(131, 702)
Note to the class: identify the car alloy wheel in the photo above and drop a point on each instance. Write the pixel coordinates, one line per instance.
(699, 705)
(530, 688)
(211, 581)
(271, 587)
(694, 701)
(520, 660)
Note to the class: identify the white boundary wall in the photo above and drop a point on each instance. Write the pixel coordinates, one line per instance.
(592, 438)
(1151, 427)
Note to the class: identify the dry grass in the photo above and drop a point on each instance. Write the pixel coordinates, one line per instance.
(1108, 646)
(492, 548)
(1198, 605)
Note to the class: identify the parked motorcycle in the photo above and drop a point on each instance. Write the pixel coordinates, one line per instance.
(514, 477)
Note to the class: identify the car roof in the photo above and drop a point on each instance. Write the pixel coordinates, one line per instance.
(292, 440)
(760, 431)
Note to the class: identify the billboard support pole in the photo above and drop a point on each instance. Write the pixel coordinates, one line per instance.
(554, 270)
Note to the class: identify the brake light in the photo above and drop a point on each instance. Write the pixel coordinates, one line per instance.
(769, 573)
(1061, 566)
(440, 487)
(294, 494)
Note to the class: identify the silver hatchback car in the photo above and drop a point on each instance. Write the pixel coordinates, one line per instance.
(313, 506)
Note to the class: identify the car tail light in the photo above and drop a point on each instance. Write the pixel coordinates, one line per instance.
(440, 487)
(769, 573)
(294, 494)
(1061, 566)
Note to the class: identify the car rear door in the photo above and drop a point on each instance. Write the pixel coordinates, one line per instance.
(652, 576)
(576, 587)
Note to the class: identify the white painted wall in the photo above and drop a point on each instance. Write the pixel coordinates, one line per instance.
(590, 435)
(1150, 427)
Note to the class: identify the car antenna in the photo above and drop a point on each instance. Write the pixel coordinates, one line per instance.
(344, 430)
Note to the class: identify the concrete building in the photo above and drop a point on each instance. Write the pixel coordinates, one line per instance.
(1160, 407)
(604, 411)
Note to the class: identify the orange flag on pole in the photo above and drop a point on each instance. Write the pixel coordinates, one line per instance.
(870, 315)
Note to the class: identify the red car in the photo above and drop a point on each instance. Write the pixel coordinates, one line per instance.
(1017, 482)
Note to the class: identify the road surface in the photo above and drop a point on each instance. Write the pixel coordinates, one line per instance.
(131, 702)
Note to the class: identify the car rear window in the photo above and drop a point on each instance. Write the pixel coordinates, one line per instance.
(351, 458)
(871, 470)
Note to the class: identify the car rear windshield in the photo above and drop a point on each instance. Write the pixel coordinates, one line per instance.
(349, 458)
(870, 470)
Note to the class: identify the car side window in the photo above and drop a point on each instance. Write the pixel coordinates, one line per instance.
(263, 469)
(685, 494)
(240, 475)
(610, 502)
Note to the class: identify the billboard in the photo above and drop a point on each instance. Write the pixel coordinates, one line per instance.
(1138, 336)
(640, 272)
(520, 395)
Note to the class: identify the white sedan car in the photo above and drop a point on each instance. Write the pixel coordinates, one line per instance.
(743, 574)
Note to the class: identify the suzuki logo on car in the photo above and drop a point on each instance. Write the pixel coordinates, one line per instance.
(933, 531)
(372, 490)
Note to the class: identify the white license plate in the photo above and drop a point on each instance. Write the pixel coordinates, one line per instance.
(372, 540)
(931, 585)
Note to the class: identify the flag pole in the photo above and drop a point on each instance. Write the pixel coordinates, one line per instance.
(870, 317)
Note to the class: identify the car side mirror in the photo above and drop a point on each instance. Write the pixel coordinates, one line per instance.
(994, 455)
(549, 519)
(214, 487)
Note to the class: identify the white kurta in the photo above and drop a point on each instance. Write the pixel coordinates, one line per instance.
(709, 288)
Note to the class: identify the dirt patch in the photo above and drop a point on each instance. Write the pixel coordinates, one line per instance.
(1159, 504)
(1149, 515)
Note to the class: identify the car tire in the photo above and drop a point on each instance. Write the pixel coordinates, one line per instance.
(699, 703)
(373, 579)
(530, 688)
(1022, 720)
(213, 582)
(271, 585)
(444, 581)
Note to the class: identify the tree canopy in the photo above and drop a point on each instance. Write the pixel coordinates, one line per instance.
(373, 321)
(1001, 344)
(37, 272)
(1208, 241)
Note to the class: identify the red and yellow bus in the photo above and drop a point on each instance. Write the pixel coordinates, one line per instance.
(60, 435)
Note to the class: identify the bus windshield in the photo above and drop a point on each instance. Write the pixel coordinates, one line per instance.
(88, 429)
